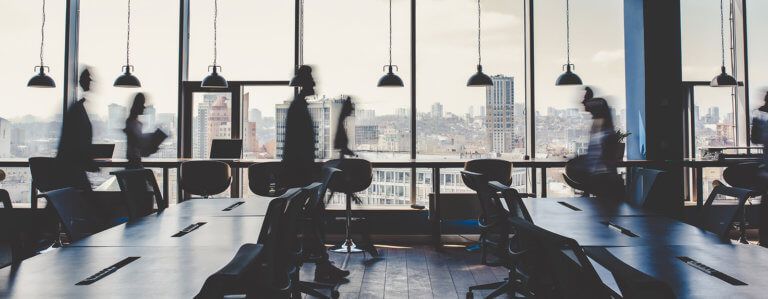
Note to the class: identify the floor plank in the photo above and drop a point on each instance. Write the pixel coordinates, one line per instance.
(411, 272)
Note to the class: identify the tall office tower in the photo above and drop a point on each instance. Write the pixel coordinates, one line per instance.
(249, 134)
(149, 119)
(471, 111)
(116, 119)
(325, 114)
(714, 115)
(482, 111)
(696, 114)
(213, 121)
(499, 114)
(437, 110)
(402, 112)
(5, 138)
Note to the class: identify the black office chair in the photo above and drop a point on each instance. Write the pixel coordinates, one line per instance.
(205, 177)
(649, 190)
(495, 232)
(140, 193)
(264, 179)
(574, 177)
(559, 267)
(632, 283)
(77, 217)
(719, 219)
(235, 276)
(494, 170)
(5, 199)
(356, 176)
(46, 176)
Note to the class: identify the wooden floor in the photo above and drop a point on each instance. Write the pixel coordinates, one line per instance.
(412, 272)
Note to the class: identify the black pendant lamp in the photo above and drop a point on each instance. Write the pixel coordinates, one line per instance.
(127, 79)
(390, 79)
(41, 79)
(722, 79)
(214, 80)
(479, 78)
(569, 77)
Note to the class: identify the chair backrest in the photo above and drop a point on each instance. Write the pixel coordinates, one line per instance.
(561, 269)
(236, 276)
(264, 179)
(140, 193)
(650, 189)
(514, 202)
(719, 219)
(5, 199)
(493, 169)
(745, 175)
(205, 177)
(632, 283)
(316, 204)
(77, 216)
(356, 176)
(492, 212)
(46, 174)
(279, 234)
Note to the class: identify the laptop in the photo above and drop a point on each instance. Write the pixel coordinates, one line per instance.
(102, 151)
(227, 149)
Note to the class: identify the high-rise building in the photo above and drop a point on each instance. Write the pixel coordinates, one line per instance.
(116, 119)
(254, 115)
(5, 138)
(213, 121)
(437, 110)
(325, 114)
(149, 119)
(499, 114)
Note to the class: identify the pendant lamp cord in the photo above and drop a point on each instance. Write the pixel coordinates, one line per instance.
(128, 40)
(479, 54)
(568, 31)
(301, 32)
(215, 31)
(722, 33)
(42, 37)
(390, 32)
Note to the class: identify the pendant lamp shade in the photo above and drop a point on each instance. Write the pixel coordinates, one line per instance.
(723, 79)
(390, 79)
(479, 79)
(127, 79)
(569, 77)
(41, 79)
(214, 80)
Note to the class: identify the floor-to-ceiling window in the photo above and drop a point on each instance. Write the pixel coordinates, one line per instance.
(597, 51)
(30, 118)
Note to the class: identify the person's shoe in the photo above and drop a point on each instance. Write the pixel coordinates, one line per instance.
(328, 273)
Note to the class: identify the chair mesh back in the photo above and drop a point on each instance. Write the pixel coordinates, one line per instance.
(46, 174)
(356, 176)
(140, 192)
(490, 208)
(77, 217)
(493, 169)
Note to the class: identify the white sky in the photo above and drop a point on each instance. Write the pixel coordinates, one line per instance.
(346, 42)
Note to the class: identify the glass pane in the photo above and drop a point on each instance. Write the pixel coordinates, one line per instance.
(390, 187)
(343, 68)
(30, 121)
(154, 54)
(715, 124)
(597, 50)
(460, 122)
(757, 18)
(211, 119)
(255, 39)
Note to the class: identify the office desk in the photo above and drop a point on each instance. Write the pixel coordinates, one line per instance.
(748, 263)
(542, 207)
(216, 207)
(157, 230)
(172, 273)
(589, 230)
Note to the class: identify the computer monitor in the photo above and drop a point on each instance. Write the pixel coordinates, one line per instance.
(102, 151)
(226, 148)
